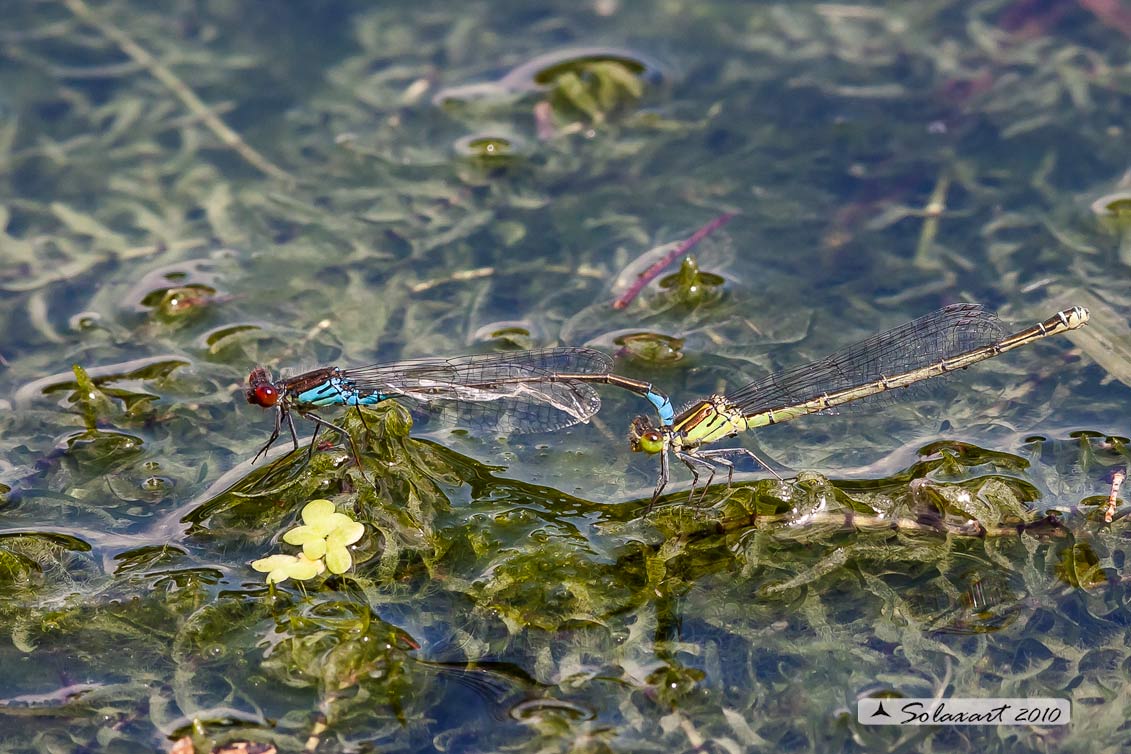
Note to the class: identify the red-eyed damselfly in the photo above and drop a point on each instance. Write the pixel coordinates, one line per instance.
(510, 393)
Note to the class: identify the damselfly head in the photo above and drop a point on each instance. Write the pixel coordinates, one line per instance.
(644, 437)
(261, 391)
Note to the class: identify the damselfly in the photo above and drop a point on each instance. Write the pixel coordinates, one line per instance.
(951, 338)
(514, 392)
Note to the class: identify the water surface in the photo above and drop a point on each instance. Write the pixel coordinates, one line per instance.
(323, 183)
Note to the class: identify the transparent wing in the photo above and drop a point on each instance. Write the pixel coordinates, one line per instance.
(534, 407)
(931, 338)
(480, 370)
(510, 392)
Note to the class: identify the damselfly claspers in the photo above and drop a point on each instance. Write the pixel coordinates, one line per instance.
(951, 338)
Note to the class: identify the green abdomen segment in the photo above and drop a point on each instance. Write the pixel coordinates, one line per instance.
(874, 384)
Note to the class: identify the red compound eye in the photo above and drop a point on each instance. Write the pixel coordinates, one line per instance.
(263, 395)
(260, 390)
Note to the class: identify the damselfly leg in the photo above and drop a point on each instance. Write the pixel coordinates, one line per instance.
(280, 412)
(714, 458)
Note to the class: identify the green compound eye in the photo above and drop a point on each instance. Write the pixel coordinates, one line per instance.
(643, 437)
(651, 442)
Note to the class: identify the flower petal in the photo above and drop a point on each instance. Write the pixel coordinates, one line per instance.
(346, 534)
(338, 559)
(315, 548)
(275, 566)
(302, 534)
(334, 520)
(304, 568)
(272, 562)
(316, 512)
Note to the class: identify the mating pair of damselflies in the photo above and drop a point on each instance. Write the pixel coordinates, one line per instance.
(552, 388)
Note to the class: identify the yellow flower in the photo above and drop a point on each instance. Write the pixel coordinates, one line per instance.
(279, 568)
(326, 533)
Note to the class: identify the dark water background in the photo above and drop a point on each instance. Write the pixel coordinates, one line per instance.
(425, 179)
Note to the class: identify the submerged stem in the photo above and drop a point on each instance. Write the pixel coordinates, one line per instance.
(173, 83)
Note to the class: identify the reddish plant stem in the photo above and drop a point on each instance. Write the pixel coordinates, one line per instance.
(1111, 13)
(1113, 499)
(650, 274)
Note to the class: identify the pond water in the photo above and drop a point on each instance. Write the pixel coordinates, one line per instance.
(188, 190)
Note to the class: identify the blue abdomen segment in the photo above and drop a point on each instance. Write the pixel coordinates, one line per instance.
(337, 392)
(663, 406)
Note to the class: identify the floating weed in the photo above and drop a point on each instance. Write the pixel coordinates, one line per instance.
(593, 80)
(1114, 213)
(92, 402)
(594, 88)
(692, 286)
(490, 149)
(651, 348)
(1079, 566)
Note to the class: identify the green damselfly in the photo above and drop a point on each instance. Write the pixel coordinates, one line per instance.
(946, 340)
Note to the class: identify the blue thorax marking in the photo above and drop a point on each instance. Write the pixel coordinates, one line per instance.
(337, 392)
